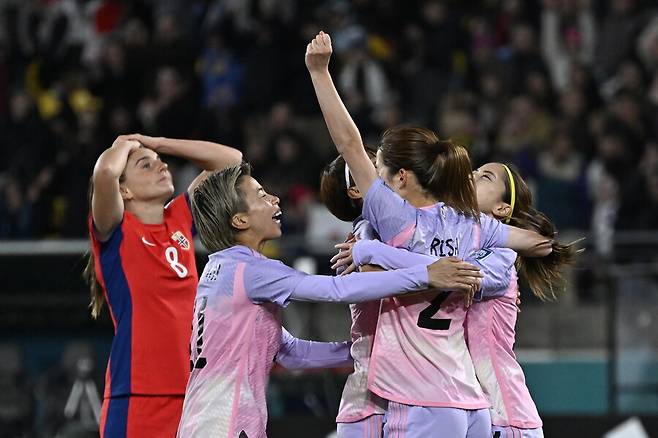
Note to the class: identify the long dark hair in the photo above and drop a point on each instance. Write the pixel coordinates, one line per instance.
(544, 275)
(333, 189)
(97, 297)
(443, 168)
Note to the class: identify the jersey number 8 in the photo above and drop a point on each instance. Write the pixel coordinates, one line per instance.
(172, 258)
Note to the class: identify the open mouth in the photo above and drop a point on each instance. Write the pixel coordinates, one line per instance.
(277, 217)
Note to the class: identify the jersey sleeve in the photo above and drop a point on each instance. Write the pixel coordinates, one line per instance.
(496, 264)
(94, 237)
(372, 252)
(270, 280)
(493, 232)
(363, 230)
(298, 354)
(393, 218)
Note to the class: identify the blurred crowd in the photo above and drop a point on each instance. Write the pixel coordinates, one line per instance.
(565, 89)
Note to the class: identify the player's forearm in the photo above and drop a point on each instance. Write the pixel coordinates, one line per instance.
(112, 162)
(204, 154)
(298, 354)
(360, 287)
(344, 132)
(529, 243)
(377, 253)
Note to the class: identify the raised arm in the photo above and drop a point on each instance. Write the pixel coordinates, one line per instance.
(206, 155)
(106, 202)
(342, 129)
(299, 354)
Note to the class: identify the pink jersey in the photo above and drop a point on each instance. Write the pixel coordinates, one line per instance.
(357, 402)
(236, 334)
(490, 329)
(419, 355)
(233, 349)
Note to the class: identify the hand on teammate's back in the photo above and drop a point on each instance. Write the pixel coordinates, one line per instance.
(452, 273)
(343, 260)
(318, 52)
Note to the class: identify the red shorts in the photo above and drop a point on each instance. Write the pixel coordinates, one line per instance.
(141, 416)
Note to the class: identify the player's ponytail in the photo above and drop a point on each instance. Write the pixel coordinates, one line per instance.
(89, 274)
(449, 178)
(544, 275)
(96, 292)
(442, 168)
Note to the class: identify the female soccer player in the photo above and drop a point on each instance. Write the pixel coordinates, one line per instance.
(420, 362)
(142, 264)
(237, 329)
(504, 195)
(361, 412)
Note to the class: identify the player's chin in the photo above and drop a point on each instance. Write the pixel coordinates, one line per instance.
(276, 232)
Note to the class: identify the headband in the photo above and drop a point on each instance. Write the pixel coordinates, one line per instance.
(347, 176)
(512, 189)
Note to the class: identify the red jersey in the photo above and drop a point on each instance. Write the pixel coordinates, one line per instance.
(149, 278)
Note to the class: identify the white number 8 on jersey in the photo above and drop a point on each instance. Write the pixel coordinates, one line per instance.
(172, 257)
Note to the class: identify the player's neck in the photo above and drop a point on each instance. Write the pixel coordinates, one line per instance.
(250, 241)
(419, 200)
(147, 212)
(414, 194)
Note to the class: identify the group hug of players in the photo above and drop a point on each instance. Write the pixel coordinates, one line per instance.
(430, 272)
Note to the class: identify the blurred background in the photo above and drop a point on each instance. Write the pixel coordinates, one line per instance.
(566, 90)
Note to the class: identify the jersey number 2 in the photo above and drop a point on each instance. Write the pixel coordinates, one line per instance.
(425, 317)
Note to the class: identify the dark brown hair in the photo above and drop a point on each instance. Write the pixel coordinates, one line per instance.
(544, 275)
(443, 168)
(97, 297)
(333, 189)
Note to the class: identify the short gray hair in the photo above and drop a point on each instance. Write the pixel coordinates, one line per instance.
(214, 202)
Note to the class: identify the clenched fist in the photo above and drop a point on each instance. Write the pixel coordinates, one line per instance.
(318, 53)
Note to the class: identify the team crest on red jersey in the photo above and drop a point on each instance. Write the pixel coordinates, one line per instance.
(181, 240)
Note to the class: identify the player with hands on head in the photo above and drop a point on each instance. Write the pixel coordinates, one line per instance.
(142, 264)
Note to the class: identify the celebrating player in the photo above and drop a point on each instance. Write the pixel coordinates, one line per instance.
(237, 329)
(420, 362)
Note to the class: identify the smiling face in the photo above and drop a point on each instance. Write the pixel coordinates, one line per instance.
(490, 188)
(262, 220)
(146, 177)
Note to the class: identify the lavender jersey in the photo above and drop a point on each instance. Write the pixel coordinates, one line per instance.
(490, 333)
(357, 402)
(237, 333)
(419, 355)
